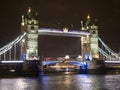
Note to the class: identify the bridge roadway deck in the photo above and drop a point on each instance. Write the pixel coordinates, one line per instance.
(112, 64)
(78, 63)
(108, 64)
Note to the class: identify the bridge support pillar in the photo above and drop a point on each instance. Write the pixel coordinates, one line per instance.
(31, 68)
(30, 26)
(94, 42)
(85, 47)
(41, 71)
(90, 43)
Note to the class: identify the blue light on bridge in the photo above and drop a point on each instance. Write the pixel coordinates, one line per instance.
(47, 63)
(44, 63)
(87, 56)
(23, 56)
(83, 65)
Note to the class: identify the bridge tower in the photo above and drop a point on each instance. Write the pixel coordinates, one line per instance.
(90, 43)
(30, 26)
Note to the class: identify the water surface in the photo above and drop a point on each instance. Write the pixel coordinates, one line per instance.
(62, 82)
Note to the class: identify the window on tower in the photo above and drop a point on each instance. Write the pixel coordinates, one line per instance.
(32, 28)
(93, 32)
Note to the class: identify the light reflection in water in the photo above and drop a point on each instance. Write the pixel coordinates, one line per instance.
(62, 82)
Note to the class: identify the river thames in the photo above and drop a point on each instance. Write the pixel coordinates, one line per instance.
(62, 82)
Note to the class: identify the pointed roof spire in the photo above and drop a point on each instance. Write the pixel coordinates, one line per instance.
(88, 17)
(88, 21)
(29, 13)
(23, 21)
(29, 10)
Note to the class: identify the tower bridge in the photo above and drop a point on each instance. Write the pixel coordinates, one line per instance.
(92, 46)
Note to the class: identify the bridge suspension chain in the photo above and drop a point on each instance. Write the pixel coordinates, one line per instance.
(110, 50)
(10, 45)
(109, 54)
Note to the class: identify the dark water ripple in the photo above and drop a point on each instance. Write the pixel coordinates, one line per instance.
(62, 82)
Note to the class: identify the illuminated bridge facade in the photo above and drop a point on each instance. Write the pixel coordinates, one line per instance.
(25, 46)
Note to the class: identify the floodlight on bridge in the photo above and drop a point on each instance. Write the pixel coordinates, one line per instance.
(67, 57)
(79, 57)
(23, 40)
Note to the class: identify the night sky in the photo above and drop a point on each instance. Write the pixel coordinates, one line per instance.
(59, 14)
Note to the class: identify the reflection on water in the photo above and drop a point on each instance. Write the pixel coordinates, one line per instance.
(62, 82)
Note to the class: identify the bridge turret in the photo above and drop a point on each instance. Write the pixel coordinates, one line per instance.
(31, 29)
(91, 41)
(94, 42)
